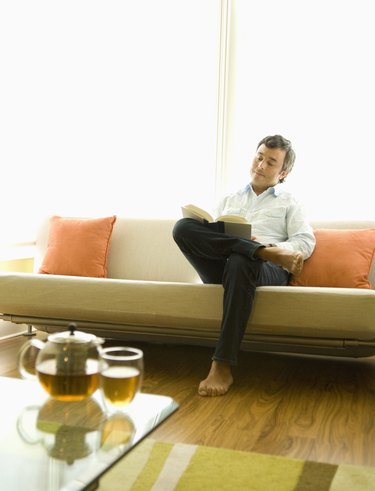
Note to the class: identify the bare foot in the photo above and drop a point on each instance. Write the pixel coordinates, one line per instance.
(218, 380)
(290, 260)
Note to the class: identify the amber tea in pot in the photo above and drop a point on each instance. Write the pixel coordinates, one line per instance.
(67, 365)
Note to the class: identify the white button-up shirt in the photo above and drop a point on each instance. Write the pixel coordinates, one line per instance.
(276, 218)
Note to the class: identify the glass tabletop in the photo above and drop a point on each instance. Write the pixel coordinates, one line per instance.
(50, 445)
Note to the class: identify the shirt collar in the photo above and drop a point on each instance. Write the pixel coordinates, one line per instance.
(275, 190)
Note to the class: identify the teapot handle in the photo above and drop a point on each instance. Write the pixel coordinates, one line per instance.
(24, 368)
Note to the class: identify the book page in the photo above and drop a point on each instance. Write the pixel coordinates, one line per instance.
(234, 224)
(192, 211)
(232, 219)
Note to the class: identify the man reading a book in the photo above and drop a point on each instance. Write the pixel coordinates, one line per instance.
(281, 240)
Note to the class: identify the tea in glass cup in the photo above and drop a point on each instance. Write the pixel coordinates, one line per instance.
(121, 373)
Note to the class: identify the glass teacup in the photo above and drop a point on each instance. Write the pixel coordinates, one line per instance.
(121, 374)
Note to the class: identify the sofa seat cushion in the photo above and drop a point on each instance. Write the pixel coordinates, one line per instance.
(187, 309)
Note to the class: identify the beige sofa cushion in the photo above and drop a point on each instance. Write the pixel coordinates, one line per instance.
(143, 249)
(140, 249)
(188, 309)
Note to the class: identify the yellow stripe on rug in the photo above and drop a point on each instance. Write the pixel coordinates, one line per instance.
(158, 466)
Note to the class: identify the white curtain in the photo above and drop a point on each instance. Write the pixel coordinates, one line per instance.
(304, 69)
(137, 107)
(106, 107)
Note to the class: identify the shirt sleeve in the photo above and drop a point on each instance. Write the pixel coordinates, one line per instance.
(300, 234)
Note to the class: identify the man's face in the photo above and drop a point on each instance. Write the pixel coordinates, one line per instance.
(266, 168)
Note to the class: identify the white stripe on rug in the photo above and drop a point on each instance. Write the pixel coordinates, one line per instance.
(175, 465)
(122, 477)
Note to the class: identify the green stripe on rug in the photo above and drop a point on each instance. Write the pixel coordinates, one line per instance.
(158, 466)
(316, 476)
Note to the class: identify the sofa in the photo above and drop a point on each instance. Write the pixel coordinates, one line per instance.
(151, 293)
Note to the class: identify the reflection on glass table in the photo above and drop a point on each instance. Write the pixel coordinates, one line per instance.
(52, 445)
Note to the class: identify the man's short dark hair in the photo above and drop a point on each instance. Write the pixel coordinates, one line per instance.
(278, 141)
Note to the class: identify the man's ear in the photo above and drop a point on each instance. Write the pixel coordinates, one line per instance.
(283, 174)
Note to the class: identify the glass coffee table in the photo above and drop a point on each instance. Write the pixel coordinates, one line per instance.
(49, 445)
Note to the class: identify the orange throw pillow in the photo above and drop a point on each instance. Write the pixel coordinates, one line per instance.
(341, 258)
(78, 246)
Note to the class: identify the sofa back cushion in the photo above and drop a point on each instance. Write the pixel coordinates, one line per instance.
(140, 249)
(144, 249)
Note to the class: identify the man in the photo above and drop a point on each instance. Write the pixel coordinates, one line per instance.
(282, 239)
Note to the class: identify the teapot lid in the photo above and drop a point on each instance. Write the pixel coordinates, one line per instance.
(72, 336)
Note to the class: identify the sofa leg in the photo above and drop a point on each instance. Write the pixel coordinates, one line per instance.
(30, 332)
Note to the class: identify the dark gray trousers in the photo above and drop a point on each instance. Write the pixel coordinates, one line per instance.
(224, 259)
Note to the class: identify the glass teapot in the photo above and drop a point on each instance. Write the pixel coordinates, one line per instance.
(67, 365)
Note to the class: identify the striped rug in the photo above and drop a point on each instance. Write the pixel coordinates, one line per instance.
(158, 466)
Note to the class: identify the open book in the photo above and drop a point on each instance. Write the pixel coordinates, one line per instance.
(232, 224)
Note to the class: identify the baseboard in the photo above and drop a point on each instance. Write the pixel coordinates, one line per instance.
(11, 330)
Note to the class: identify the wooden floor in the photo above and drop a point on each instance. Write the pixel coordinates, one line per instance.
(312, 408)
